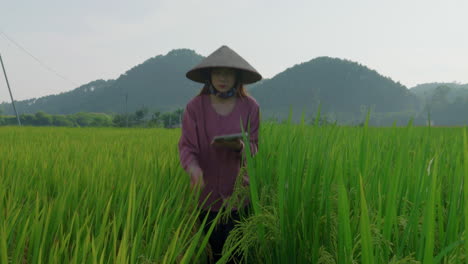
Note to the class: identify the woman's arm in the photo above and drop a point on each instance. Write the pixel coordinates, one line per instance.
(188, 142)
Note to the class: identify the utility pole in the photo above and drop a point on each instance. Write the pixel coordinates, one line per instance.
(9, 89)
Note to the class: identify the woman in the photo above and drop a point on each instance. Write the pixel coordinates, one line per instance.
(221, 108)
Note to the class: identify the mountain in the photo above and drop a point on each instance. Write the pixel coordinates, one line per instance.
(158, 83)
(430, 87)
(446, 102)
(454, 90)
(342, 88)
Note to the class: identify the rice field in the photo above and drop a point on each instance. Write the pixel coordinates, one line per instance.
(326, 194)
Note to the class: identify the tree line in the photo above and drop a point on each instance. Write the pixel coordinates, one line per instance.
(143, 117)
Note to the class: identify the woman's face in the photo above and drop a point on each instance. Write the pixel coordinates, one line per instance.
(223, 79)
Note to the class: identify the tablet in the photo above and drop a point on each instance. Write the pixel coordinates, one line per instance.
(229, 137)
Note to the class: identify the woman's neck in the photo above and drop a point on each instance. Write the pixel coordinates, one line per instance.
(217, 100)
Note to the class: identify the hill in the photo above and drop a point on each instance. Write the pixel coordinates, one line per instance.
(446, 102)
(158, 83)
(343, 88)
(427, 90)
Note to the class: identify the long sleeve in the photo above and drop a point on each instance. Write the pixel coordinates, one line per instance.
(188, 143)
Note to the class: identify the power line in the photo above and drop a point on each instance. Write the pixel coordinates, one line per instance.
(36, 59)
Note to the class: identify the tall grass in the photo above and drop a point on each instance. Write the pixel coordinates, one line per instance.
(320, 194)
(364, 195)
(95, 196)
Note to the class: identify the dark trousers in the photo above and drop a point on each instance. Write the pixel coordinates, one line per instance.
(220, 232)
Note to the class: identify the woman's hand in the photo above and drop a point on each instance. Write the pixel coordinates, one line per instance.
(196, 177)
(235, 145)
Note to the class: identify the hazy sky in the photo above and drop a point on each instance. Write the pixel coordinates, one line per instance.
(411, 41)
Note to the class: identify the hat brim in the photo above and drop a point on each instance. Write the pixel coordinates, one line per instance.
(199, 75)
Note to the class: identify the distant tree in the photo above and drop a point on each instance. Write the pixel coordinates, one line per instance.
(43, 119)
(445, 111)
(440, 96)
(140, 114)
(28, 119)
(178, 115)
(155, 120)
(101, 120)
(62, 120)
(120, 120)
(83, 119)
(166, 119)
(172, 119)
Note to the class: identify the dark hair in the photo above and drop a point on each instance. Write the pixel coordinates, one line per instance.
(241, 91)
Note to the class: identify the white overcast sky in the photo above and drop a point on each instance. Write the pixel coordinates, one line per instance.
(410, 41)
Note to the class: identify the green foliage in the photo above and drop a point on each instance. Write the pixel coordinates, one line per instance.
(321, 194)
(95, 196)
(140, 114)
(82, 119)
(356, 195)
(141, 118)
(121, 120)
(42, 119)
(155, 120)
(26, 119)
(62, 120)
(465, 185)
(172, 119)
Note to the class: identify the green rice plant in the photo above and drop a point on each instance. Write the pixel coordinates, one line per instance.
(403, 202)
(319, 194)
(345, 238)
(367, 253)
(96, 196)
(465, 181)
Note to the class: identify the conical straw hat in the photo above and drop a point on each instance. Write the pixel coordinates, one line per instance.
(224, 57)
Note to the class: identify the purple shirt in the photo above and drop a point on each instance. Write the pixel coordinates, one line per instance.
(220, 166)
